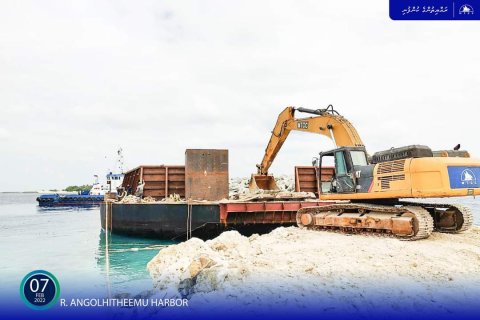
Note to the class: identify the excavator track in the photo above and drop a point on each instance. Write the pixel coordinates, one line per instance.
(410, 222)
(448, 218)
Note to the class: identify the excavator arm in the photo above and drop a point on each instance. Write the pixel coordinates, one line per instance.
(326, 122)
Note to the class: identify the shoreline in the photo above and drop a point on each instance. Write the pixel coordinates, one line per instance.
(293, 267)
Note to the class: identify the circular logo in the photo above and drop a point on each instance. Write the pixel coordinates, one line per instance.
(39, 290)
(468, 177)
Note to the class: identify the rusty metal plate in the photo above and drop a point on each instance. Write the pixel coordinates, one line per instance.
(206, 174)
(160, 181)
(306, 178)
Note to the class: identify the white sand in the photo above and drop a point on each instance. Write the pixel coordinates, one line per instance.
(293, 267)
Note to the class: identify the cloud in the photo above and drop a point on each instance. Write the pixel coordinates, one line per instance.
(79, 79)
(4, 134)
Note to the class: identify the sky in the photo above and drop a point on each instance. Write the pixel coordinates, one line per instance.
(79, 79)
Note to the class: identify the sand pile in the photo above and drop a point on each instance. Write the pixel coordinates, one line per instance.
(294, 268)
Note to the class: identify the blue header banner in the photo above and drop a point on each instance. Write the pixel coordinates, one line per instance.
(435, 9)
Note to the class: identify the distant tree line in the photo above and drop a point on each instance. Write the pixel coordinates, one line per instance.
(79, 188)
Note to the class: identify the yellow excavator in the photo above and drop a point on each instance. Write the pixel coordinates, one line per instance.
(362, 193)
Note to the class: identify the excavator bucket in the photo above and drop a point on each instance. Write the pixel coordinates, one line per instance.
(264, 182)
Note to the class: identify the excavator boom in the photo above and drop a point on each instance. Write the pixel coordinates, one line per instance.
(326, 122)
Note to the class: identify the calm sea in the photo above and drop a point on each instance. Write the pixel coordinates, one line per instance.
(69, 243)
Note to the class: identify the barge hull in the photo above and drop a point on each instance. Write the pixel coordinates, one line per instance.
(170, 221)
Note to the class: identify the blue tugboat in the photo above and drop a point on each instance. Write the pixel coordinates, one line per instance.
(82, 199)
(94, 196)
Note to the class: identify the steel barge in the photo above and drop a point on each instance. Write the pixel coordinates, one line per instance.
(179, 221)
(203, 180)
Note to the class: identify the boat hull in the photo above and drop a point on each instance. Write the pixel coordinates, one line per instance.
(50, 200)
(170, 221)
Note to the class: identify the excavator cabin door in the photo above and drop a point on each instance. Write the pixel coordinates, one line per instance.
(343, 172)
(345, 161)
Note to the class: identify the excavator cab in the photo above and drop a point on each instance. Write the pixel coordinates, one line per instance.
(352, 173)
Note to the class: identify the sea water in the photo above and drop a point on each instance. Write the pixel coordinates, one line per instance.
(70, 243)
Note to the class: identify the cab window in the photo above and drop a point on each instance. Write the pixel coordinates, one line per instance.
(341, 168)
(358, 158)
